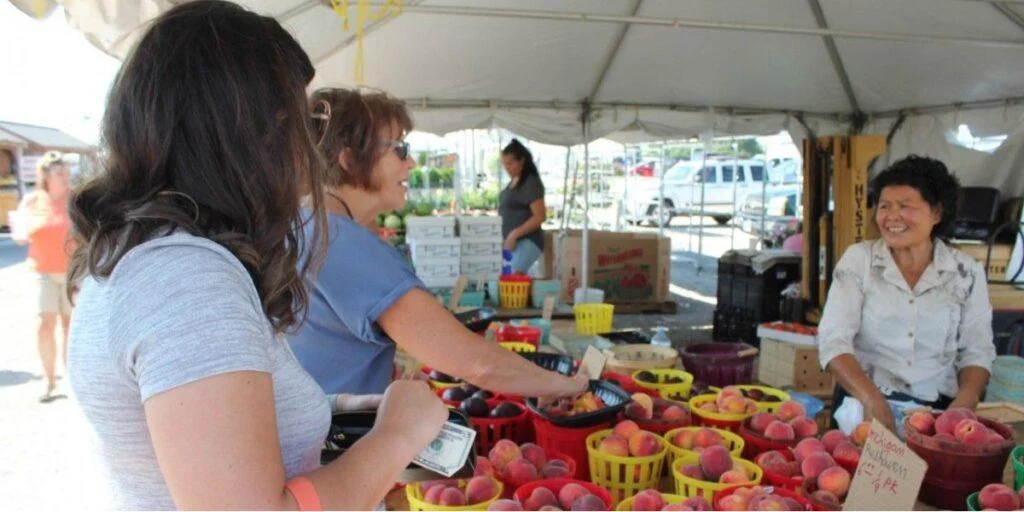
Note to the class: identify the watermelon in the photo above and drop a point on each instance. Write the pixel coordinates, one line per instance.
(393, 222)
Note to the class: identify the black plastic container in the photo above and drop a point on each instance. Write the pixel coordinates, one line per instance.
(552, 362)
(477, 320)
(614, 398)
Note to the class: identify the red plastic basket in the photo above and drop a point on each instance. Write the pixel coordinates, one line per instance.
(524, 333)
(756, 444)
(793, 483)
(624, 381)
(807, 489)
(779, 491)
(491, 430)
(551, 455)
(491, 402)
(555, 484)
(569, 441)
(660, 427)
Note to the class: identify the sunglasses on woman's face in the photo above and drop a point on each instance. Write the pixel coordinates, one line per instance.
(401, 148)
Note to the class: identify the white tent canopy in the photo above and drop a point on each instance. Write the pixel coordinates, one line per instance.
(658, 69)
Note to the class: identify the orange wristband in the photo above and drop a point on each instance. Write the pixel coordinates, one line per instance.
(304, 493)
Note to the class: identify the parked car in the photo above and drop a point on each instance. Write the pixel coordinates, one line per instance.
(721, 183)
(645, 169)
(778, 207)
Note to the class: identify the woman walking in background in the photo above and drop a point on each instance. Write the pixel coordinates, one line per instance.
(44, 214)
(521, 206)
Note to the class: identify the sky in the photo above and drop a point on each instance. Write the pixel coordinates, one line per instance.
(53, 76)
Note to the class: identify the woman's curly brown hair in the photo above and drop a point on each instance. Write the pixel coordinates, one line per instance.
(207, 132)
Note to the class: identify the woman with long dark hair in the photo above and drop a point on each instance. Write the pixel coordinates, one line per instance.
(189, 268)
(521, 206)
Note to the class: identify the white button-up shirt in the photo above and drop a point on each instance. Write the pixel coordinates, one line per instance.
(911, 341)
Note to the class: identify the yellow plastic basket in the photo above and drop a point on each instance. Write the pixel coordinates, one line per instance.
(518, 346)
(733, 442)
(688, 487)
(513, 294)
(767, 406)
(623, 476)
(593, 318)
(663, 374)
(627, 504)
(414, 493)
(720, 420)
(436, 384)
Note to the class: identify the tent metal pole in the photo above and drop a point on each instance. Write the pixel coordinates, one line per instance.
(627, 162)
(735, 182)
(683, 23)
(661, 194)
(585, 257)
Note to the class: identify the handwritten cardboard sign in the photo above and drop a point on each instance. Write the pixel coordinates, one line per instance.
(889, 475)
(592, 364)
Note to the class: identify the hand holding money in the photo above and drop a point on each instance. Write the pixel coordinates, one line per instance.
(411, 410)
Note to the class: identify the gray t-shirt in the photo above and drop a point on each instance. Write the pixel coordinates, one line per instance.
(514, 208)
(175, 310)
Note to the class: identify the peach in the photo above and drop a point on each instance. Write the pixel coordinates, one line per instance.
(625, 428)
(815, 463)
(697, 503)
(675, 506)
(480, 489)
(791, 504)
(714, 461)
(835, 480)
(779, 431)
(793, 469)
(615, 445)
(760, 421)
(733, 477)
(519, 472)
(547, 508)
(637, 411)
(791, 410)
(693, 471)
(994, 437)
(483, 467)
(859, 436)
(772, 461)
(452, 497)
(733, 502)
(804, 427)
(432, 494)
(588, 502)
(847, 452)
(709, 407)
(769, 502)
(832, 438)
(725, 394)
(541, 496)
(971, 432)
(923, 422)
(673, 413)
(998, 497)
(535, 454)
(826, 498)
(707, 437)
(806, 447)
(684, 438)
(643, 443)
(505, 505)
(648, 500)
(944, 437)
(551, 471)
(644, 401)
(733, 405)
(948, 420)
(570, 493)
(503, 452)
(751, 407)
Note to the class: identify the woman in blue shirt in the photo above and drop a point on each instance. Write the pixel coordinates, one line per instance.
(366, 299)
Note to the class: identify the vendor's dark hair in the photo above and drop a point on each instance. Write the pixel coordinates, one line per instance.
(932, 180)
(517, 150)
(207, 132)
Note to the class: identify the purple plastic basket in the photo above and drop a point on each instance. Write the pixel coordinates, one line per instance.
(717, 364)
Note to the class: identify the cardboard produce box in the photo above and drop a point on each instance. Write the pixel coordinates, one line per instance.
(629, 267)
(998, 262)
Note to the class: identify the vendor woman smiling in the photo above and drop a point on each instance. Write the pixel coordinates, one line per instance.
(908, 317)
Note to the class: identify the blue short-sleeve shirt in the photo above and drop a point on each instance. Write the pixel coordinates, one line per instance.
(340, 344)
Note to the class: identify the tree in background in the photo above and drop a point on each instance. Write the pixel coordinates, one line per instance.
(750, 147)
(422, 158)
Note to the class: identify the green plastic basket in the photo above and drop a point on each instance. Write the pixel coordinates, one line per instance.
(972, 502)
(1018, 467)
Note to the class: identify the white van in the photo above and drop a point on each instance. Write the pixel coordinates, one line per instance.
(720, 184)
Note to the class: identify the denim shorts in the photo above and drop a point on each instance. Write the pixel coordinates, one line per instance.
(525, 255)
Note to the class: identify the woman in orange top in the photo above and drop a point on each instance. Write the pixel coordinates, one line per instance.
(45, 214)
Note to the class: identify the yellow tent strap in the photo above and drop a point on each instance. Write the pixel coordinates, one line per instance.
(364, 15)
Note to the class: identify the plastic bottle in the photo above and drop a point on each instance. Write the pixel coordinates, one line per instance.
(660, 338)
